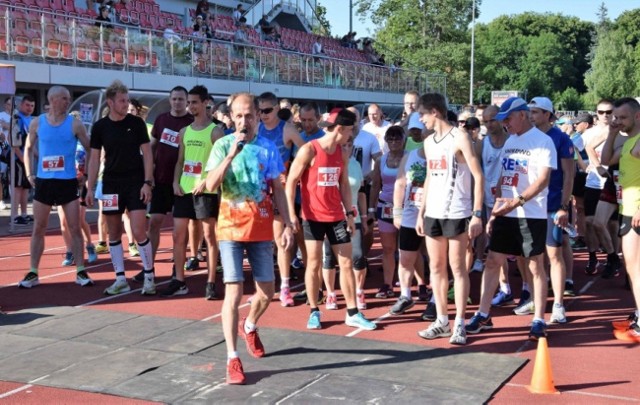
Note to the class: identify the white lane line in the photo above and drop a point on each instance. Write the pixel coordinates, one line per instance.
(304, 387)
(355, 332)
(22, 388)
(590, 394)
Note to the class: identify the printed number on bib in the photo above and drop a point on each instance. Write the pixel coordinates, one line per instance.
(510, 181)
(616, 182)
(192, 168)
(387, 211)
(328, 176)
(53, 163)
(109, 202)
(169, 137)
(415, 196)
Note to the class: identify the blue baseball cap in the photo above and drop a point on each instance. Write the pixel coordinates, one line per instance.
(510, 105)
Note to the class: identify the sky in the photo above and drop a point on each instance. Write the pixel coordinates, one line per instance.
(338, 11)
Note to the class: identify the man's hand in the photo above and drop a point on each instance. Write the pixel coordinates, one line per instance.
(89, 198)
(635, 221)
(177, 190)
(503, 206)
(420, 224)
(32, 180)
(200, 188)
(561, 218)
(475, 228)
(287, 238)
(145, 193)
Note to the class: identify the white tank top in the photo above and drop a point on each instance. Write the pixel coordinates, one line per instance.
(449, 194)
(491, 169)
(415, 171)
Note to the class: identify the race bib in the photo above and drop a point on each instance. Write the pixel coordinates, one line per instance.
(169, 137)
(192, 168)
(510, 181)
(387, 211)
(616, 182)
(53, 163)
(109, 202)
(328, 176)
(415, 196)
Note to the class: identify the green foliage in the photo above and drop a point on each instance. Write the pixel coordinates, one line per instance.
(568, 100)
(323, 27)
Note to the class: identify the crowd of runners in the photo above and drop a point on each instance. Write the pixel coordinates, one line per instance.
(447, 195)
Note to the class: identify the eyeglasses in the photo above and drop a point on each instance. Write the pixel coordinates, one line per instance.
(265, 110)
(603, 112)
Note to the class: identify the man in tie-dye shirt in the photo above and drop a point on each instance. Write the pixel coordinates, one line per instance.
(246, 167)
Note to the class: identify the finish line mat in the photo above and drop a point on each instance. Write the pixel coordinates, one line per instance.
(184, 361)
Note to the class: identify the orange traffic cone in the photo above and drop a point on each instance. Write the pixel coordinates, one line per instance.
(542, 378)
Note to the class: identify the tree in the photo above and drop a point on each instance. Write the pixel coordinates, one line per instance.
(568, 100)
(322, 27)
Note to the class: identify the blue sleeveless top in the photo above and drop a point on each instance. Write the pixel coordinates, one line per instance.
(56, 149)
(275, 135)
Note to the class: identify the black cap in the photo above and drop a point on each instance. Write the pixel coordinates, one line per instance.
(583, 117)
(472, 123)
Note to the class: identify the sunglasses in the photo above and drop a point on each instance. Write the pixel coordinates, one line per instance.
(265, 110)
(603, 112)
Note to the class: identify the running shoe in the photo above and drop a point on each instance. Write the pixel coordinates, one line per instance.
(149, 287)
(525, 296)
(611, 269)
(175, 287)
(210, 292)
(138, 278)
(538, 330)
(192, 264)
(558, 314)
(526, 308)
(314, 320)
(359, 321)
(592, 267)
(68, 259)
(360, 299)
(501, 298)
(92, 256)
(102, 248)
(423, 294)
(385, 292)
(20, 221)
(83, 279)
(235, 373)
(254, 344)
(133, 250)
(3, 206)
(568, 289)
(285, 297)
(478, 323)
(332, 302)
(459, 336)
(435, 330)
(118, 287)
(297, 264)
(200, 257)
(429, 314)
(624, 325)
(578, 244)
(30, 280)
(28, 218)
(401, 305)
(478, 266)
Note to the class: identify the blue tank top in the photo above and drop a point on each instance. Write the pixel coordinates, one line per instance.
(56, 149)
(275, 136)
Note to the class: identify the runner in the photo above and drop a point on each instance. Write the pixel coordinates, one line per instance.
(192, 201)
(55, 136)
(518, 223)
(245, 165)
(322, 170)
(445, 215)
(126, 183)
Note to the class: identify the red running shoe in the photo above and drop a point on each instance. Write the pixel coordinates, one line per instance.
(254, 345)
(235, 373)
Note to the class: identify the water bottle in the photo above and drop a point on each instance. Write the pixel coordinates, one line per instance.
(557, 231)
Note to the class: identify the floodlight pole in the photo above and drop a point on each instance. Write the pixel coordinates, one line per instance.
(473, 32)
(350, 15)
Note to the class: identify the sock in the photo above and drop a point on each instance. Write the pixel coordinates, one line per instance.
(117, 257)
(406, 292)
(352, 311)
(433, 299)
(557, 304)
(359, 291)
(505, 288)
(231, 356)
(538, 320)
(444, 319)
(592, 256)
(79, 269)
(314, 310)
(34, 270)
(525, 286)
(284, 283)
(120, 276)
(458, 322)
(482, 314)
(149, 274)
(146, 255)
(248, 326)
(569, 280)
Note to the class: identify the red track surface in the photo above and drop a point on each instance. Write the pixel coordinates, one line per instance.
(589, 364)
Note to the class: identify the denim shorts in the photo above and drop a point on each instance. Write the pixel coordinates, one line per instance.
(260, 256)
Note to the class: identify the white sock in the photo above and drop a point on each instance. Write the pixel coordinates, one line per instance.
(359, 291)
(482, 314)
(231, 356)
(538, 319)
(406, 292)
(458, 322)
(505, 288)
(557, 304)
(248, 326)
(146, 254)
(117, 257)
(444, 319)
(433, 299)
(284, 282)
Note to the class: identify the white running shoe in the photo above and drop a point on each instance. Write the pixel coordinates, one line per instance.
(118, 287)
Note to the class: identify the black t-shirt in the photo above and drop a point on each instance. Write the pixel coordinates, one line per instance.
(121, 141)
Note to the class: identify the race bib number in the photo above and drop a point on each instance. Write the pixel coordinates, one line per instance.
(387, 211)
(109, 202)
(328, 176)
(415, 196)
(510, 181)
(53, 163)
(169, 137)
(616, 182)
(438, 164)
(192, 168)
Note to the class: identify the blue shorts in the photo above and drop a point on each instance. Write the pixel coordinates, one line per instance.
(260, 256)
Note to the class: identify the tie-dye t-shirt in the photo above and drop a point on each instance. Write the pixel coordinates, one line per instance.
(246, 208)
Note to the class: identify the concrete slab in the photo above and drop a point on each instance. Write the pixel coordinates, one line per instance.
(13, 344)
(33, 316)
(193, 337)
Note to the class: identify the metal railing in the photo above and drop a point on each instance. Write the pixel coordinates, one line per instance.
(73, 40)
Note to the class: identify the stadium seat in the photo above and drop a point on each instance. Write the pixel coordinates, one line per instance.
(54, 49)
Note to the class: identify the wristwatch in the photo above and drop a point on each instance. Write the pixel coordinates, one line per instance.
(477, 214)
(351, 214)
(564, 207)
(522, 200)
(149, 183)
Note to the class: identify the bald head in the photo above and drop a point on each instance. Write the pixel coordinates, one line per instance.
(489, 118)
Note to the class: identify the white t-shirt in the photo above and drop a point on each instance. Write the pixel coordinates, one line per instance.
(523, 157)
(364, 146)
(491, 165)
(378, 132)
(594, 180)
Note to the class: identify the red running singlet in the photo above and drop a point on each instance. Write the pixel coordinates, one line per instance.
(320, 186)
